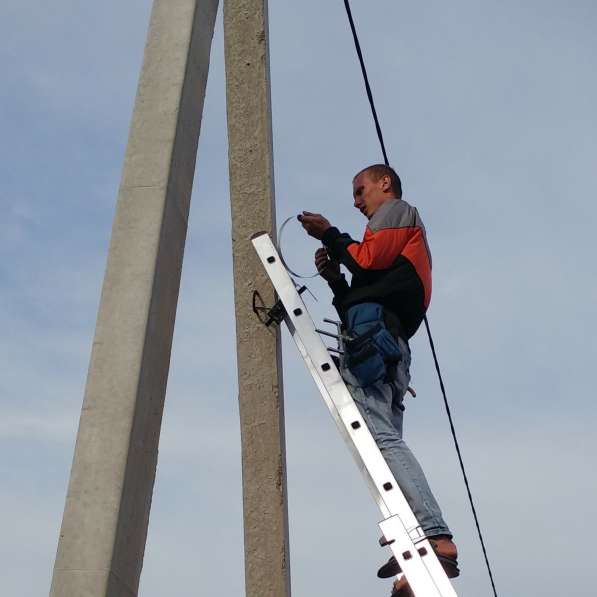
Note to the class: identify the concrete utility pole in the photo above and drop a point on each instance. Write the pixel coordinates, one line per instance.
(267, 563)
(102, 539)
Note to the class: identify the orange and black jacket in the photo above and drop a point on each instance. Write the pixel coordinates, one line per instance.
(390, 266)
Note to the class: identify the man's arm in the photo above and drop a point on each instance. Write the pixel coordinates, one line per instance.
(378, 250)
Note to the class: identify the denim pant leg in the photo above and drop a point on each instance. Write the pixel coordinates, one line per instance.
(381, 405)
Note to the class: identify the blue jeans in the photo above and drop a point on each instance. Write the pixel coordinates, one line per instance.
(381, 405)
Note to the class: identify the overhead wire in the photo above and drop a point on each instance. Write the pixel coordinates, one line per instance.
(427, 327)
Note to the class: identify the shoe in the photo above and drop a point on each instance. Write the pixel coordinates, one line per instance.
(401, 588)
(446, 553)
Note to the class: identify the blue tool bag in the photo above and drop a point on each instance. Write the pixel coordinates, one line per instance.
(371, 346)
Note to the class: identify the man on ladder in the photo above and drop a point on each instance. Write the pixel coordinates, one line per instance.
(381, 309)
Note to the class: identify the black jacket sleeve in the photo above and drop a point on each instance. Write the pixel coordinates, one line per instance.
(336, 243)
(340, 288)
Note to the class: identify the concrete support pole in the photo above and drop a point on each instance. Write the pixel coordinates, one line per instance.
(102, 539)
(267, 566)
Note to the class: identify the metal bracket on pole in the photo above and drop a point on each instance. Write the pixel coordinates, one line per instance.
(401, 530)
(275, 314)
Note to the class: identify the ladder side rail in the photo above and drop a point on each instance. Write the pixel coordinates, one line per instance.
(346, 431)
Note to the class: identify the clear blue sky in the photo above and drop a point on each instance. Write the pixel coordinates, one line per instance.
(488, 109)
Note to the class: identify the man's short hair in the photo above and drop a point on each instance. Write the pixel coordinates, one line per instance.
(376, 171)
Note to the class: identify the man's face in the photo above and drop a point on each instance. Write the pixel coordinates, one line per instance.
(369, 194)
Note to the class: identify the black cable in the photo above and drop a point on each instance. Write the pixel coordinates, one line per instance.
(468, 489)
(367, 86)
(431, 343)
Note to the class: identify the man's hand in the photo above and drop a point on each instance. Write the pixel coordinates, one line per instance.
(314, 224)
(328, 269)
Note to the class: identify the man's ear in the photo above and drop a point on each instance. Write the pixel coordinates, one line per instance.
(386, 183)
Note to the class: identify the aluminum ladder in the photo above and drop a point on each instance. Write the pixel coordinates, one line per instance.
(400, 529)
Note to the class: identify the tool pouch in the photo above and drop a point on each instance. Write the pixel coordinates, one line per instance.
(371, 346)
